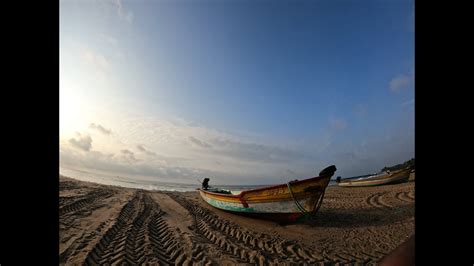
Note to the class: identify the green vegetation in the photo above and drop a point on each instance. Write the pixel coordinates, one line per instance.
(408, 164)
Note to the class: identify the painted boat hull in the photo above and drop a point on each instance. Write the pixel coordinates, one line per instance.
(394, 178)
(273, 202)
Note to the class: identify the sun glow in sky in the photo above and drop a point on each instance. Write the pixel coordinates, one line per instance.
(245, 92)
(70, 117)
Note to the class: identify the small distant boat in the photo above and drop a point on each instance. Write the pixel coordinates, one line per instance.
(288, 202)
(385, 178)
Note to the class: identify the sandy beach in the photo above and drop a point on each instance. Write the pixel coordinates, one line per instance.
(112, 225)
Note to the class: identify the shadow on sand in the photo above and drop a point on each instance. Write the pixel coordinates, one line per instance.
(350, 218)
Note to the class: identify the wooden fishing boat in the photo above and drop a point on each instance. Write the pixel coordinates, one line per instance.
(385, 178)
(288, 202)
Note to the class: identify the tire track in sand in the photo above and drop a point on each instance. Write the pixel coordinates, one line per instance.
(139, 236)
(376, 200)
(407, 196)
(75, 204)
(213, 236)
(249, 247)
(65, 200)
(68, 185)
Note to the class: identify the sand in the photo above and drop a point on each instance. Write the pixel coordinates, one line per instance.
(112, 225)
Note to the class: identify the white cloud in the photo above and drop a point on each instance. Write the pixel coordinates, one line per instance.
(142, 149)
(95, 59)
(199, 143)
(122, 13)
(100, 128)
(338, 124)
(127, 152)
(400, 83)
(83, 142)
(409, 102)
(129, 156)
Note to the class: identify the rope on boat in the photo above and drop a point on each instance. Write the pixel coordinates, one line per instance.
(298, 204)
(320, 200)
(300, 207)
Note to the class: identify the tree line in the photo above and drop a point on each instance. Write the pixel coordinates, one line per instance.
(408, 164)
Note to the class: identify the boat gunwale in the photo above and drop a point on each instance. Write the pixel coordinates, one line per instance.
(242, 193)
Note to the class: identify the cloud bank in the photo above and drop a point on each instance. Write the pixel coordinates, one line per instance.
(175, 151)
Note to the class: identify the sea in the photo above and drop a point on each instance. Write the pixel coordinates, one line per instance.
(119, 181)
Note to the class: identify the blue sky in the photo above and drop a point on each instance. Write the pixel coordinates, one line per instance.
(242, 91)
